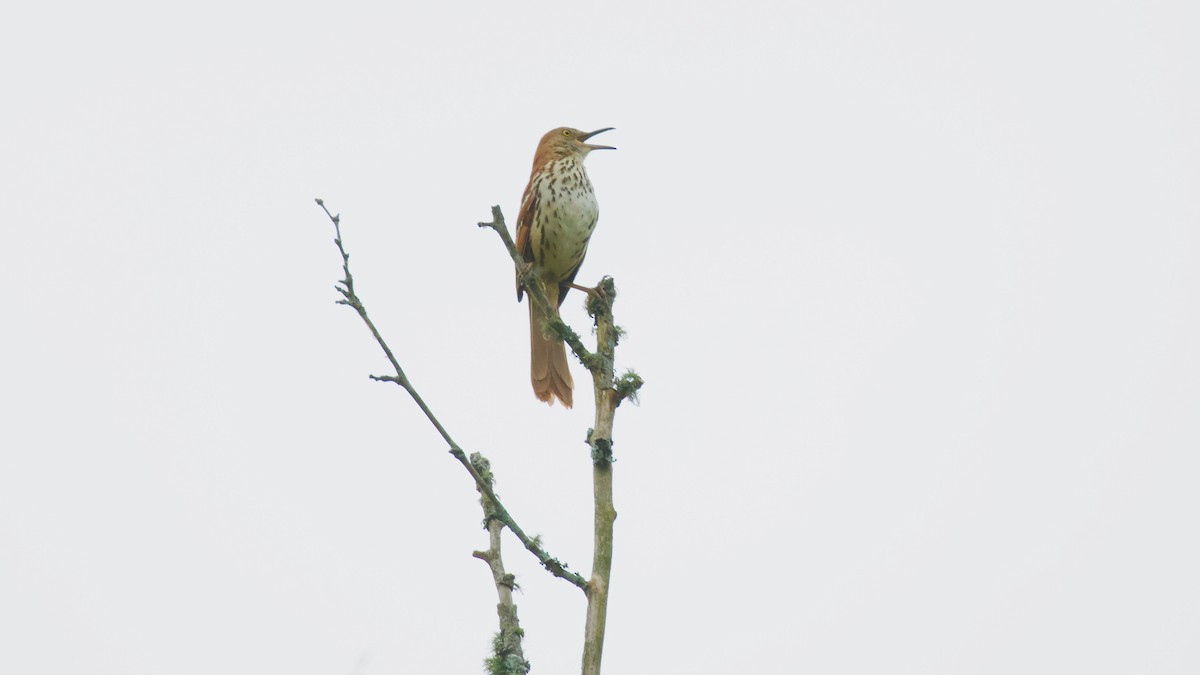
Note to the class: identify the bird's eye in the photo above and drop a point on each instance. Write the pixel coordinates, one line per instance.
(566, 132)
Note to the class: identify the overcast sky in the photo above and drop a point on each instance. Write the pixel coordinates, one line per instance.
(913, 287)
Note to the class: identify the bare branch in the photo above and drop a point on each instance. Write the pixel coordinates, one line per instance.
(350, 298)
(538, 294)
(600, 440)
(508, 658)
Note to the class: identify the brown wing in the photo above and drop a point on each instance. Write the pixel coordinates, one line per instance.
(529, 204)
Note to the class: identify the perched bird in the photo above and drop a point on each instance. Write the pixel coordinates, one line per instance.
(558, 214)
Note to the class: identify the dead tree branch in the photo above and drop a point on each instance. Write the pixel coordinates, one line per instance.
(349, 297)
(507, 658)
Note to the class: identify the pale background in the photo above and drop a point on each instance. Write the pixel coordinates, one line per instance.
(913, 286)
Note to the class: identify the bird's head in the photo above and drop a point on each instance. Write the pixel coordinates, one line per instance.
(565, 141)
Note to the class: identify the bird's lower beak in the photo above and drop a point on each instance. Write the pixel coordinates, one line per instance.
(593, 133)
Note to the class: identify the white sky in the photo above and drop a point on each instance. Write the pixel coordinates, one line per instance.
(913, 287)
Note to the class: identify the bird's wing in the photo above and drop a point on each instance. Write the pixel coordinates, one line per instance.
(529, 204)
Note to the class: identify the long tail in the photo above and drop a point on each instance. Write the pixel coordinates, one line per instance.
(548, 359)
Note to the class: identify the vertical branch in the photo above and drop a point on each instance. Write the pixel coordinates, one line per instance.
(508, 658)
(608, 397)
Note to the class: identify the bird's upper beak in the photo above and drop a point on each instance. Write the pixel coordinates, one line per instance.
(593, 133)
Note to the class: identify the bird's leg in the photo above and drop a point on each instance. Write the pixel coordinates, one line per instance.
(595, 298)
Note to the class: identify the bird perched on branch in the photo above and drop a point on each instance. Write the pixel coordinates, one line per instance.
(558, 214)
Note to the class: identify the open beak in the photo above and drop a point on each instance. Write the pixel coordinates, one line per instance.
(593, 133)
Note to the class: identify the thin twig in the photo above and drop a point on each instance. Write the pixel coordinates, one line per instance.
(538, 294)
(346, 289)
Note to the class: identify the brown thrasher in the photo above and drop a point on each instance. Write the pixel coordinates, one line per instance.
(558, 214)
